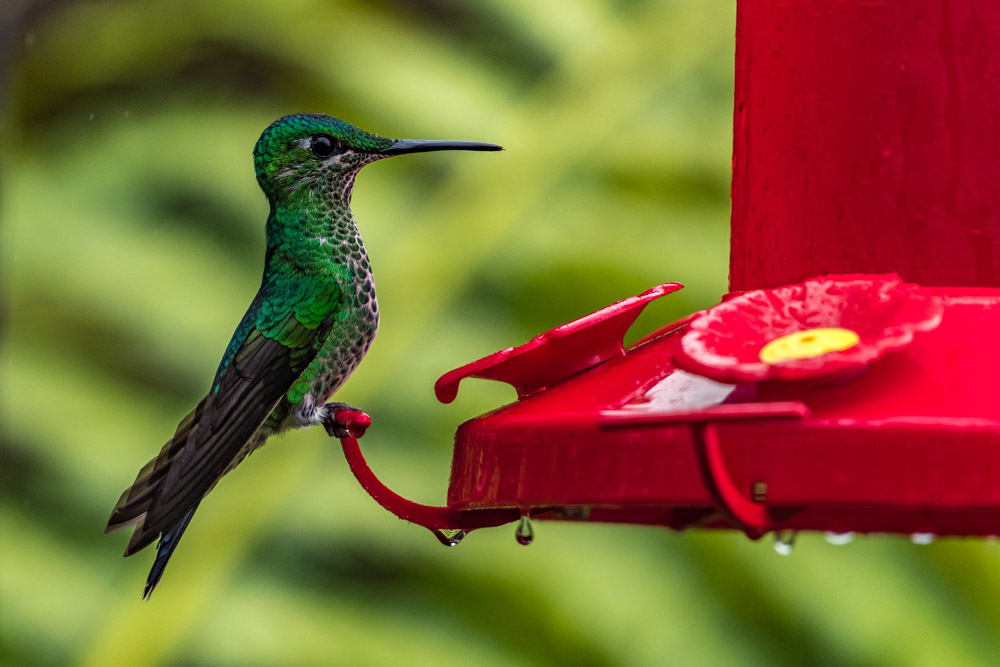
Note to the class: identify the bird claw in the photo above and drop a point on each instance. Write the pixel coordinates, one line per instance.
(345, 421)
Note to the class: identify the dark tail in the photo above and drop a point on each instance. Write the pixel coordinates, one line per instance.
(164, 549)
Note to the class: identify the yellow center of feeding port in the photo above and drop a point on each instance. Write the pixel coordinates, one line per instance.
(807, 344)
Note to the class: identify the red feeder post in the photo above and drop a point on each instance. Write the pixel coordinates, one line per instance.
(866, 146)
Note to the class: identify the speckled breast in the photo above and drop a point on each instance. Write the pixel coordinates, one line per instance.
(350, 338)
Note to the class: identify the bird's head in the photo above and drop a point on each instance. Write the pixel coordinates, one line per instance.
(322, 153)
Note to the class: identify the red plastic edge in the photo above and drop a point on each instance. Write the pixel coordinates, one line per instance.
(724, 412)
(556, 354)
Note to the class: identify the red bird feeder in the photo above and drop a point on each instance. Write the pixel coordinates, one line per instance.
(846, 382)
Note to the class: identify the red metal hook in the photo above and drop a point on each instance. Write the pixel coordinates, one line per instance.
(752, 517)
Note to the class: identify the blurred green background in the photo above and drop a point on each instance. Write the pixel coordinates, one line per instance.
(132, 242)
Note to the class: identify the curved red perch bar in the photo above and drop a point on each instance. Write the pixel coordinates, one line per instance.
(750, 516)
(437, 519)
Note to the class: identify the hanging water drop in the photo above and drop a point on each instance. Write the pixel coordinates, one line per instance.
(922, 538)
(839, 539)
(525, 532)
(449, 537)
(784, 540)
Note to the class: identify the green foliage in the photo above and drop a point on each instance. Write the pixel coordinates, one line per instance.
(133, 241)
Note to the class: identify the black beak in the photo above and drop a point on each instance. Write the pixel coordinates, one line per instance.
(403, 146)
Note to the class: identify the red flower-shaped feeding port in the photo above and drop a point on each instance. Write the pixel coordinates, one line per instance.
(823, 328)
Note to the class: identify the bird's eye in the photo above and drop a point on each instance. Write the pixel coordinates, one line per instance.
(322, 145)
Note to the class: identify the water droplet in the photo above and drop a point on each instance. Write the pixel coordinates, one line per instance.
(91, 117)
(839, 539)
(30, 38)
(449, 536)
(784, 540)
(525, 532)
(922, 538)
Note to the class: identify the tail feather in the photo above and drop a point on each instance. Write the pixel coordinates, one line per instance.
(134, 503)
(130, 510)
(165, 548)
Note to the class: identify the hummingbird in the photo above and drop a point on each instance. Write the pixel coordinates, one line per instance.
(306, 330)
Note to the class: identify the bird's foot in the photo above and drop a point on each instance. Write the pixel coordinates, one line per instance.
(345, 421)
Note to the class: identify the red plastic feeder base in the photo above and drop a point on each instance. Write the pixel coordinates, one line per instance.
(910, 445)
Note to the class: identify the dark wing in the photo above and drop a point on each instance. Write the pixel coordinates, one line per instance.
(248, 388)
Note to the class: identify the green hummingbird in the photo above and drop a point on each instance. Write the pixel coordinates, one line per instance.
(309, 325)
